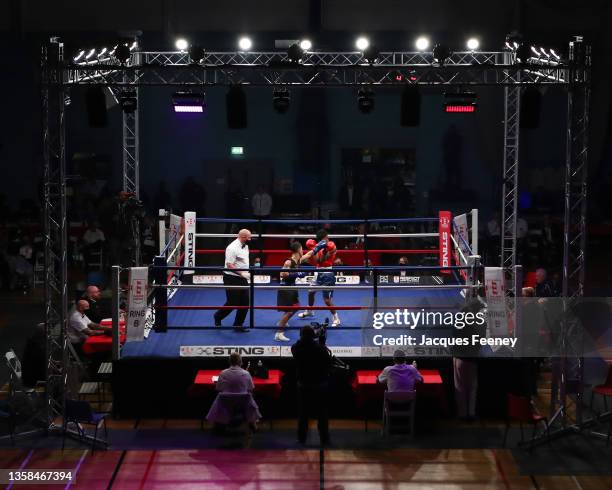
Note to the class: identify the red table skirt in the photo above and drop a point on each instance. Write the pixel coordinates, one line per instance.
(203, 383)
(367, 389)
(103, 343)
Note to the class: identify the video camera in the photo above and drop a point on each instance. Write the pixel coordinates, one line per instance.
(133, 208)
(320, 330)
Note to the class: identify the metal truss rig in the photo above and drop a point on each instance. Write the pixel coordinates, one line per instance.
(55, 227)
(143, 68)
(329, 69)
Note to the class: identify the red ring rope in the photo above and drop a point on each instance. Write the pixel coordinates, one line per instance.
(339, 251)
(178, 262)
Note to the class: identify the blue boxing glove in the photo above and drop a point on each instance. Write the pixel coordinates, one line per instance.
(320, 246)
(297, 275)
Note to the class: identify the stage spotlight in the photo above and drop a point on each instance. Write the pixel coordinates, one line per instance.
(473, 44)
(362, 43)
(134, 45)
(535, 52)
(122, 52)
(281, 100)
(196, 53)
(79, 56)
(245, 43)
(236, 107)
(295, 53)
(370, 54)
(422, 43)
(555, 55)
(365, 100)
(188, 102)
(523, 53)
(305, 44)
(441, 53)
(102, 52)
(90, 54)
(410, 110)
(128, 101)
(181, 44)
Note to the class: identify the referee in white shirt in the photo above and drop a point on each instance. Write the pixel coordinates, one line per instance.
(236, 257)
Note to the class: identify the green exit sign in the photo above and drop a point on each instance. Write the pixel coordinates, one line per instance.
(237, 150)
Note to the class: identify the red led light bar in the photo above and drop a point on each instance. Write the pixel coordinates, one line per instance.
(450, 107)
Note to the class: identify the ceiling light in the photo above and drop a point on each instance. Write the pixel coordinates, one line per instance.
(422, 43)
(245, 43)
(362, 43)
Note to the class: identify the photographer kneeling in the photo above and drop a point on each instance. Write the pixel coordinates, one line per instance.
(313, 364)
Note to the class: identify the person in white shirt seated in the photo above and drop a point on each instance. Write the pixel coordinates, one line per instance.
(93, 240)
(80, 327)
(400, 376)
(234, 380)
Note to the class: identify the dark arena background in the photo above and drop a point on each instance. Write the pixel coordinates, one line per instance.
(312, 244)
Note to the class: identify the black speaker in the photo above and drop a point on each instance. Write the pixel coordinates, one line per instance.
(95, 101)
(410, 110)
(531, 107)
(235, 104)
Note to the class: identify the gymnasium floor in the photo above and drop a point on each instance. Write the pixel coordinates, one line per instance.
(245, 464)
(168, 344)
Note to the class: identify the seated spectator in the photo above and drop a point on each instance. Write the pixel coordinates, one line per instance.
(26, 250)
(543, 288)
(528, 292)
(338, 263)
(234, 380)
(400, 376)
(20, 272)
(359, 241)
(93, 240)
(93, 295)
(93, 235)
(403, 261)
(80, 327)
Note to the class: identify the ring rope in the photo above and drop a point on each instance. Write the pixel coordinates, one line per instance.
(310, 269)
(172, 237)
(461, 238)
(333, 235)
(178, 244)
(439, 328)
(458, 248)
(174, 272)
(309, 287)
(292, 307)
(339, 251)
(313, 221)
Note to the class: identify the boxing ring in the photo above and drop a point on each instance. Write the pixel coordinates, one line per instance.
(185, 285)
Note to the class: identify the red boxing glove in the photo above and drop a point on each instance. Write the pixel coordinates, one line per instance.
(310, 244)
(331, 247)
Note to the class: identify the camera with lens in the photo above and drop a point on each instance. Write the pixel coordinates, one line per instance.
(134, 208)
(320, 331)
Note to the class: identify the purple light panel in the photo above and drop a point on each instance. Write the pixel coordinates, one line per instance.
(188, 108)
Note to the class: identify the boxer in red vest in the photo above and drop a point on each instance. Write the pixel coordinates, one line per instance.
(324, 256)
